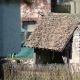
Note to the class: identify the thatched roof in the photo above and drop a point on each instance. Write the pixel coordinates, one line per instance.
(53, 32)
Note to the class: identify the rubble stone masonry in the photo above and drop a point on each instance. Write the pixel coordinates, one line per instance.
(32, 13)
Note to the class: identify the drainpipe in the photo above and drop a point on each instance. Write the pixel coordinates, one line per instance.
(73, 7)
(77, 7)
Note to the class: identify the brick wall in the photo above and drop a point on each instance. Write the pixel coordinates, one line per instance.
(28, 13)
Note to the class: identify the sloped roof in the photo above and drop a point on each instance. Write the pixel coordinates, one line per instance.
(53, 32)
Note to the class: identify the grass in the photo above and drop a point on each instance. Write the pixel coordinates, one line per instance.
(40, 72)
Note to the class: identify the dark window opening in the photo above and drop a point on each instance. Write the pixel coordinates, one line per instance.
(22, 36)
(44, 56)
(60, 6)
(65, 55)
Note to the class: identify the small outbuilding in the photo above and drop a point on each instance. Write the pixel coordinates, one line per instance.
(53, 38)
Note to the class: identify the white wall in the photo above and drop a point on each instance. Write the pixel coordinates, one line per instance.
(75, 6)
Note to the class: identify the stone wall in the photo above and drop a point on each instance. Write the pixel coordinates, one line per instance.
(76, 46)
(32, 13)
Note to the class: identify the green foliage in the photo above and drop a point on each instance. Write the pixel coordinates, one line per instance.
(0, 79)
(28, 2)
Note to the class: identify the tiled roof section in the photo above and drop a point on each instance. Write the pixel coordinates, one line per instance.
(53, 32)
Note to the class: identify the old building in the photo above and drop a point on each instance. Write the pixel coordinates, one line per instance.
(54, 35)
(31, 16)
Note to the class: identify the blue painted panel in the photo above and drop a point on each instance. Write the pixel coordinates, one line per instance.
(1, 28)
(10, 28)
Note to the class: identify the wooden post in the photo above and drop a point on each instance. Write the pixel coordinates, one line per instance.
(36, 58)
(25, 35)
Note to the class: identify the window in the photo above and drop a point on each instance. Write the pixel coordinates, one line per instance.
(22, 36)
(29, 26)
(60, 6)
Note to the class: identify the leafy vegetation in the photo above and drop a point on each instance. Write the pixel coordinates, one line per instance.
(28, 2)
(41, 72)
